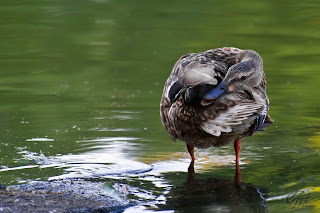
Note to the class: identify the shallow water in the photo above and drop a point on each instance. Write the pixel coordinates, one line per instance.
(81, 83)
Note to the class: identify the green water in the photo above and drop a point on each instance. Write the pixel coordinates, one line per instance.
(87, 78)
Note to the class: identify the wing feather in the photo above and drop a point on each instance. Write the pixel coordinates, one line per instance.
(234, 116)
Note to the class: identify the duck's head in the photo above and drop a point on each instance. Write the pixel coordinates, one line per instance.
(247, 73)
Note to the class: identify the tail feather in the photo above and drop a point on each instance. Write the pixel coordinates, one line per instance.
(263, 125)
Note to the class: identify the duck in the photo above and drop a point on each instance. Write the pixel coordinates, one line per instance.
(214, 98)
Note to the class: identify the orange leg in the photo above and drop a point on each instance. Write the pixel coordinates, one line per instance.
(191, 172)
(237, 148)
(191, 151)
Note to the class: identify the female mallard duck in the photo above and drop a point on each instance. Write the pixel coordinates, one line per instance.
(215, 97)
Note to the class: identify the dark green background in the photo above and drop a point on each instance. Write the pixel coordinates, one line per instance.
(85, 73)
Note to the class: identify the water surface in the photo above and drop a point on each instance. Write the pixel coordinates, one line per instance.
(81, 83)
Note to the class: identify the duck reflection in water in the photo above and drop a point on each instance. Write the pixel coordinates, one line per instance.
(215, 195)
(216, 97)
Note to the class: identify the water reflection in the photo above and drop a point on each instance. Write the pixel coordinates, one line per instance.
(110, 156)
(215, 195)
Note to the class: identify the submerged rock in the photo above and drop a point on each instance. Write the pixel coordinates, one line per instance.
(72, 195)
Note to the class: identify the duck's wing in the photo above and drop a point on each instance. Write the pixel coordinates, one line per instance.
(237, 118)
(192, 70)
(206, 68)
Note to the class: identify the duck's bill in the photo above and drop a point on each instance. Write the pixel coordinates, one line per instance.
(217, 92)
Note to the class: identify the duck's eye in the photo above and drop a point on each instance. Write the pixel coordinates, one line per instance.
(243, 77)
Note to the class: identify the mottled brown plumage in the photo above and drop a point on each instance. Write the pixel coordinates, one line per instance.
(215, 97)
